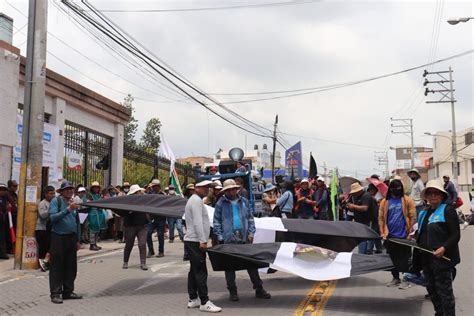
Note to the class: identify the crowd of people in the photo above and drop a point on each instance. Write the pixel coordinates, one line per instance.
(424, 214)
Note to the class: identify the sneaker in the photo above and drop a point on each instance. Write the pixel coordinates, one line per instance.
(393, 283)
(160, 255)
(150, 254)
(125, 265)
(194, 303)
(171, 241)
(404, 285)
(186, 258)
(143, 267)
(210, 308)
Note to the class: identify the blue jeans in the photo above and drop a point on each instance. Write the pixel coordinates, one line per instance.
(179, 226)
(159, 225)
(362, 247)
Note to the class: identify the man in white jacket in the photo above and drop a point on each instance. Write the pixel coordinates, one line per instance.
(196, 238)
(416, 187)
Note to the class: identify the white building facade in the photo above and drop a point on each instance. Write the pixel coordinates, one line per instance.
(443, 163)
(89, 126)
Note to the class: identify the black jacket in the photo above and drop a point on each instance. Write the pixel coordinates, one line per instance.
(439, 228)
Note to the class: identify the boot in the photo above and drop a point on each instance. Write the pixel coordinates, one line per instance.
(94, 247)
(233, 296)
(261, 293)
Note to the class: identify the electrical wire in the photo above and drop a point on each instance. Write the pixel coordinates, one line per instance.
(125, 44)
(233, 7)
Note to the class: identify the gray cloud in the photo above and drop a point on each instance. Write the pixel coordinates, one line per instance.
(284, 48)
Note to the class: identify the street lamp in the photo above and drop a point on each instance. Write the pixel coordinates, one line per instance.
(437, 135)
(454, 21)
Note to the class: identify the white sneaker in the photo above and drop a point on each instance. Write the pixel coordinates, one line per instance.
(404, 285)
(194, 303)
(210, 308)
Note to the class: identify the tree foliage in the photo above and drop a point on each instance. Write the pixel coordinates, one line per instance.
(151, 135)
(130, 129)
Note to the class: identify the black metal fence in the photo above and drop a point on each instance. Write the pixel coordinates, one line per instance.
(86, 155)
(141, 165)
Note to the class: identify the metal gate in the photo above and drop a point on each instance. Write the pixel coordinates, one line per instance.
(86, 155)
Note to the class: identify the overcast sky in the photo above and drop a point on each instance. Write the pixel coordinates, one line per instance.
(281, 48)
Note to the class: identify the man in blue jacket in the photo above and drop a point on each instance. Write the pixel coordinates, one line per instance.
(65, 242)
(234, 224)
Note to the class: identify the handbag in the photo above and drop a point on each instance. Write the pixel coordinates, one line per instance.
(276, 212)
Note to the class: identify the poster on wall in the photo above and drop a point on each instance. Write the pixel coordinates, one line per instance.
(74, 161)
(50, 150)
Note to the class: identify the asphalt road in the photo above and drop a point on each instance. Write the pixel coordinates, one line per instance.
(110, 290)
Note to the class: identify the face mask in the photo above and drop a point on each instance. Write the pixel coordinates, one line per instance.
(126, 190)
(171, 192)
(397, 192)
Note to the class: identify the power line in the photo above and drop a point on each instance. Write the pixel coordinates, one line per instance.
(244, 6)
(131, 48)
(351, 83)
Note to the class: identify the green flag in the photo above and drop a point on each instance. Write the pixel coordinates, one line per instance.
(174, 181)
(334, 195)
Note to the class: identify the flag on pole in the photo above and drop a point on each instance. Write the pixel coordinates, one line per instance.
(313, 168)
(168, 153)
(334, 195)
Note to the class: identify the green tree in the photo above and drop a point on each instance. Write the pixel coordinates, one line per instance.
(151, 134)
(132, 125)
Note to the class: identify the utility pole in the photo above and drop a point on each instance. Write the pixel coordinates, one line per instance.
(447, 96)
(381, 157)
(274, 147)
(405, 126)
(32, 146)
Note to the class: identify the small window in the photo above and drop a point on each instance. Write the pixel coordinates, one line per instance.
(468, 138)
(472, 165)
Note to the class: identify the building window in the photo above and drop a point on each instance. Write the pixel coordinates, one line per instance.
(459, 168)
(437, 171)
(472, 165)
(468, 138)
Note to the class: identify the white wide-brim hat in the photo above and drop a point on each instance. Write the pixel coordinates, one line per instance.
(134, 189)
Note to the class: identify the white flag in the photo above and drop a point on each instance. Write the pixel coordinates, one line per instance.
(166, 151)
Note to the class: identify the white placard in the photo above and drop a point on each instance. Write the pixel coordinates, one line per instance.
(31, 192)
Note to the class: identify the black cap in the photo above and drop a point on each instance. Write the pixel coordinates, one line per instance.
(66, 185)
(375, 176)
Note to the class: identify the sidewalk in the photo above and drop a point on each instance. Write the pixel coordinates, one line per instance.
(6, 266)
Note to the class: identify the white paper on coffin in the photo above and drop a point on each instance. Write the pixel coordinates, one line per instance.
(339, 268)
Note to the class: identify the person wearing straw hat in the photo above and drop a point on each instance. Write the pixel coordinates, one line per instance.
(214, 191)
(96, 218)
(362, 204)
(234, 224)
(397, 215)
(438, 230)
(416, 187)
(135, 226)
(195, 241)
(65, 236)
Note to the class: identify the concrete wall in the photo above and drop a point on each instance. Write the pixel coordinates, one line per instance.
(9, 64)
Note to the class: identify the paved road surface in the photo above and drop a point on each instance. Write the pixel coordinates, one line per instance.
(109, 290)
